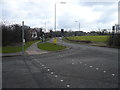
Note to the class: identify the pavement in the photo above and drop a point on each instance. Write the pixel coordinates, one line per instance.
(32, 50)
(81, 66)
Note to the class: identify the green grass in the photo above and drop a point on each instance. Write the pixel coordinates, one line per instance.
(103, 38)
(50, 47)
(14, 49)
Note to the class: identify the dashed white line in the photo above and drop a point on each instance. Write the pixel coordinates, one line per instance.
(113, 74)
(90, 66)
(61, 80)
(48, 69)
(68, 85)
(80, 62)
(51, 72)
(97, 68)
(104, 71)
(72, 63)
(56, 75)
(85, 64)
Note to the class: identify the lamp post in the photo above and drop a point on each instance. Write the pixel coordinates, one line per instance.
(55, 13)
(79, 24)
(23, 40)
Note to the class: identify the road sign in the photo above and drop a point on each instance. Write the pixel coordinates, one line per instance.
(55, 40)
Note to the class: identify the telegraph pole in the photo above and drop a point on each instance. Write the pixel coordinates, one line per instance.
(23, 40)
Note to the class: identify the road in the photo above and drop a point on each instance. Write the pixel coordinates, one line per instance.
(80, 66)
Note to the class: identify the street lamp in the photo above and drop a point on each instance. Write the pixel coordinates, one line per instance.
(79, 24)
(23, 40)
(55, 13)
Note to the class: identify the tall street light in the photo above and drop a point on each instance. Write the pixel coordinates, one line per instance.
(23, 40)
(55, 13)
(79, 24)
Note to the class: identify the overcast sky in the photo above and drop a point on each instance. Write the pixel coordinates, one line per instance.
(35, 13)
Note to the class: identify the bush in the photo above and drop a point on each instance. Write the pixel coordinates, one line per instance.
(114, 40)
(13, 34)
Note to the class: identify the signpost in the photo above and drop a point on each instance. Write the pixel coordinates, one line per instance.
(55, 40)
(23, 40)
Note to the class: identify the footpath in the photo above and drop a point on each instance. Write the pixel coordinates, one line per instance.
(32, 50)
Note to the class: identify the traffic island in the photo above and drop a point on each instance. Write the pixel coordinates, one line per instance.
(50, 46)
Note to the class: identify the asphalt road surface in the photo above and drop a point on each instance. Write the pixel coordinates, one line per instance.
(80, 66)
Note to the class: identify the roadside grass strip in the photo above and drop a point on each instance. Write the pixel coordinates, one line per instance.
(50, 46)
(100, 38)
(14, 49)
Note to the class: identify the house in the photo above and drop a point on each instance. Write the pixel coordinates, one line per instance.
(33, 33)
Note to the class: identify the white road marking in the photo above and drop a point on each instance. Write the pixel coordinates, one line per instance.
(113, 74)
(68, 85)
(56, 75)
(97, 68)
(85, 64)
(104, 71)
(51, 72)
(61, 80)
(44, 67)
(90, 66)
(80, 62)
(72, 63)
(48, 69)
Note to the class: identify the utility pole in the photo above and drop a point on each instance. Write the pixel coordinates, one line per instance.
(55, 14)
(45, 32)
(55, 21)
(23, 40)
(79, 26)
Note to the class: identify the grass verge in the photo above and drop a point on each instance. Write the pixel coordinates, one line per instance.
(98, 38)
(100, 44)
(14, 49)
(50, 46)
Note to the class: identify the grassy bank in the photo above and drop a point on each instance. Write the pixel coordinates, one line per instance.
(14, 49)
(50, 47)
(100, 41)
(91, 38)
